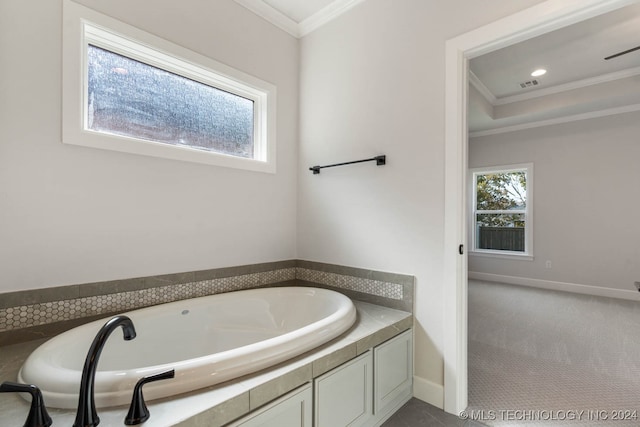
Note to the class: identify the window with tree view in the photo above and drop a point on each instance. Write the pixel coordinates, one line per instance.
(501, 210)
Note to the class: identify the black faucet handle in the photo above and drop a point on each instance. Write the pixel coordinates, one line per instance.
(38, 415)
(138, 412)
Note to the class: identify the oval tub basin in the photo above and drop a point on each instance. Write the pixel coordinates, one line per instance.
(206, 340)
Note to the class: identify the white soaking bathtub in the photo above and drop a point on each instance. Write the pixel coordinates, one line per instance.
(206, 340)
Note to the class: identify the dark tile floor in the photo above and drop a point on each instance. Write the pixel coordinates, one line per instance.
(416, 413)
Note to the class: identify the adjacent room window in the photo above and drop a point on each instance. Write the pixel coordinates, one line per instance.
(127, 90)
(502, 205)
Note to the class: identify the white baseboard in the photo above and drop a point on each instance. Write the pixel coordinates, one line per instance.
(428, 391)
(557, 286)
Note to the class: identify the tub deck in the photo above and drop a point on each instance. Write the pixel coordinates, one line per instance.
(220, 404)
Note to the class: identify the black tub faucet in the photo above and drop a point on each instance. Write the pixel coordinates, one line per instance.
(87, 415)
(38, 416)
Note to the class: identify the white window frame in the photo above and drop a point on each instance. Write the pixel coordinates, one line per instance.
(83, 26)
(528, 213)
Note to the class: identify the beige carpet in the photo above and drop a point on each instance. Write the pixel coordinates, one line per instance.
(548, 358)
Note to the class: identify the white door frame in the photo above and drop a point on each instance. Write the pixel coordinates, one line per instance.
(540, 19)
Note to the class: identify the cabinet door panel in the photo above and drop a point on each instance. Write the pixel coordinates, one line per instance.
(343, 397)
(393, 370)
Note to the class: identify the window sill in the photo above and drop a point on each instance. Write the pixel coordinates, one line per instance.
(87, 138)
(501, 255)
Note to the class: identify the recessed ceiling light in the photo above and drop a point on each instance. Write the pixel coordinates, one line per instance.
(539, 72)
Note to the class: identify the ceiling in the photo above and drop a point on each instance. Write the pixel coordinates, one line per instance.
(579, 83)
(299, 17)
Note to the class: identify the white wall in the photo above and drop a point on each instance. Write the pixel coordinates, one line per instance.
(72, 215)
(586, 186)
(372, 82)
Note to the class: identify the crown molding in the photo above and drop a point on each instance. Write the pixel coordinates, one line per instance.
(560, 120)
(272, 15)
(578, 84)
(328, 13)
(484, 91)
(552, 90)
(298, 30)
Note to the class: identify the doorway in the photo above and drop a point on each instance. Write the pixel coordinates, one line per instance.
(535, 21)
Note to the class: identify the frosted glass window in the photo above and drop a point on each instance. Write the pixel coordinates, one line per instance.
(127, 90)
(130, 98)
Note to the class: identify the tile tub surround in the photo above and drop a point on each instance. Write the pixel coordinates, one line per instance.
(377, 287)
(220, 404)
(28, 315)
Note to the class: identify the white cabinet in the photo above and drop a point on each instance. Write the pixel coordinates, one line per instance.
(393, 374)
(363, 392)
(368, 389)
(291, 410)
(344, 396)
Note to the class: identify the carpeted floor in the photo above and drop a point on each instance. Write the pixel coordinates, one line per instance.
(539, 357)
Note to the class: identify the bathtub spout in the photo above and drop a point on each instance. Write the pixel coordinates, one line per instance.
(87, 416)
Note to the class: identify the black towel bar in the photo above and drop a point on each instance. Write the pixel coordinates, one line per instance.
(380, 160)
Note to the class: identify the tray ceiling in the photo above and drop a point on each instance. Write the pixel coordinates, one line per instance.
(579, 82)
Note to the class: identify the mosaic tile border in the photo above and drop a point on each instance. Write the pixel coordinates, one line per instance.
(71, 303)
(59, 293)
(55, 311)
(391, 290)
(358, 284)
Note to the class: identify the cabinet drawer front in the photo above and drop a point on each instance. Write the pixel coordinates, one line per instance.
(291, 410)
